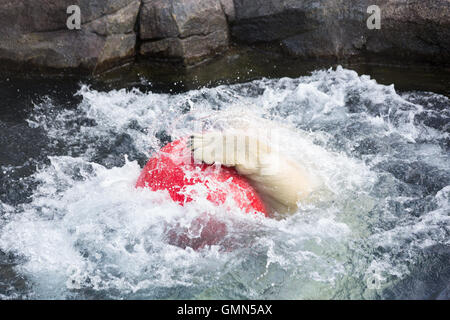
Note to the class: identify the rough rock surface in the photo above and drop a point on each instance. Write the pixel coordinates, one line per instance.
(413, 29)
(186, 30)
(35, 33)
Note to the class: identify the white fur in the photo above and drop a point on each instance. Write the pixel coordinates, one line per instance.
(280, 180)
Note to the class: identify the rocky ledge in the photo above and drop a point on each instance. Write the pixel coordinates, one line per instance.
(35, 34)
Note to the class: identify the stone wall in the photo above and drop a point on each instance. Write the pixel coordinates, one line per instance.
(188, 30)
(412, 29)
(34, 32)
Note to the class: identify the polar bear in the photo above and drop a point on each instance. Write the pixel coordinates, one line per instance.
(281, 181)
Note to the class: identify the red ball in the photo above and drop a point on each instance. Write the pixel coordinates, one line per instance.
(173, 169)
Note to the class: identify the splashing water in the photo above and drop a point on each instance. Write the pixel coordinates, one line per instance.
(86, 232)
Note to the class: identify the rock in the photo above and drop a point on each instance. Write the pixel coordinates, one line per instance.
(157, 20)
(121, 21)
(269, 20)
(116, 47)
(228, 8)
(413, 29)
(36, 33)
(185, 30)
(190, 50)
(302, 28)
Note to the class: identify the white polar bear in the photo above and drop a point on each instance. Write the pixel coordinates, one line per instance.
(281, 181)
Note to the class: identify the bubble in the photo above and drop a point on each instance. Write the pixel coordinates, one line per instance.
(381, 157)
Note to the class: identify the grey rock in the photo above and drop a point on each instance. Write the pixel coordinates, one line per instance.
(187, 30)
(181, 18)
(272, 20)
(413, 29)
(35, 33)
(157, 20)
(26, 16)
(228, 8)
(87, 50)
(169, 47)
(116, 47)
(121, 21)
(189, 50)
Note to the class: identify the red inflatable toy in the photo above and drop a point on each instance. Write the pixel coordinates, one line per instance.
(173, 169)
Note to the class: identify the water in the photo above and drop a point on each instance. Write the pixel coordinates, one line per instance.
(72, 225)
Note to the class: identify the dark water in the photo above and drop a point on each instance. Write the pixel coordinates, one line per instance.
(70, 224)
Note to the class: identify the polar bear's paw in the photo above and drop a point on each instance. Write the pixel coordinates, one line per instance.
(235, 149)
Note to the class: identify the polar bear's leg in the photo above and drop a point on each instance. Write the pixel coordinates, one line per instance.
(283, 191)
(281, 181)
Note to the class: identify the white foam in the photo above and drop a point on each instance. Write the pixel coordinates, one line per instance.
(87, 229)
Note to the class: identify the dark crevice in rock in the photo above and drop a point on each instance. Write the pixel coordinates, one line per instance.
(137, 30)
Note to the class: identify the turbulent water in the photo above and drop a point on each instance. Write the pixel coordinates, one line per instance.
(381, 230)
